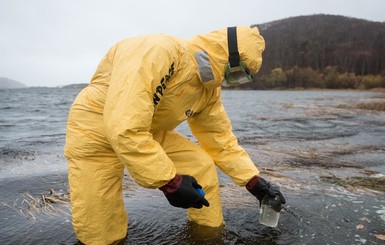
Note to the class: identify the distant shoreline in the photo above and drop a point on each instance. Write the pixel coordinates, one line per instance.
(75, 85)
(83, 85)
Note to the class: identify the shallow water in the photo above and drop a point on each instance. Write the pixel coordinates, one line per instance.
(294, 137)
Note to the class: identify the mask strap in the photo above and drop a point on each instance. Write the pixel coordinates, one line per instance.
(232, 42)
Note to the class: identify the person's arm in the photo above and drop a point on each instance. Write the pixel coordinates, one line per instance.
(137, 81)
(213, 130)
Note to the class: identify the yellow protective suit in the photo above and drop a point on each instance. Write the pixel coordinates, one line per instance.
(142, 89)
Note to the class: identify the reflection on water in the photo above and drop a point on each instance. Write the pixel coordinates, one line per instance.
(294, 137)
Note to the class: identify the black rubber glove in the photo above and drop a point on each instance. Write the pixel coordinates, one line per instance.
(259, 187)
(182, 192)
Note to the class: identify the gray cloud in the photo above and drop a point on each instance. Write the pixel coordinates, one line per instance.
(53, 42)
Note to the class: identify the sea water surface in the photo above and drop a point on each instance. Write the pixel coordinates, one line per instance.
(294, 137)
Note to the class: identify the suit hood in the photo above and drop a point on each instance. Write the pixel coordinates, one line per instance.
(211, 53)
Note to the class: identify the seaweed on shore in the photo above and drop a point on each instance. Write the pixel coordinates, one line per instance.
(18, 154)
(29, 206)
(373, 183)
(377, 106)
(374, 106)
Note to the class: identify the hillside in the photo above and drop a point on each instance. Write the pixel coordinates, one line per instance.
(6, 83)
(322, 45)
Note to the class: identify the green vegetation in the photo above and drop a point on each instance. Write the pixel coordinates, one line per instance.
(329, 78)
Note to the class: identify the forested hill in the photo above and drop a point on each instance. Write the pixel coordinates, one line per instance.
(321, 45)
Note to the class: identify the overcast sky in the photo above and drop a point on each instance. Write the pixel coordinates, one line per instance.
(58, 42)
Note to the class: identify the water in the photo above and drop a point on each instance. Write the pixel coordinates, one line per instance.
(295, 138)
(32, 125)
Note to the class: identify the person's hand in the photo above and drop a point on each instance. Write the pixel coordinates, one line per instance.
(259, 187)
(182, 192)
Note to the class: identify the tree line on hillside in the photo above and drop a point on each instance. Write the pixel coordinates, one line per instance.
(322, 51)
(329, 78)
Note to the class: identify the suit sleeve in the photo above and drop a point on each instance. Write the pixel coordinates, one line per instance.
(135, 79)
(213, 130)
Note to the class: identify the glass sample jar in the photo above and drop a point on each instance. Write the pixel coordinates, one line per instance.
(270, 209)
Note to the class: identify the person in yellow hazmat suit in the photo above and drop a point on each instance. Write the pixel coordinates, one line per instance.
(143, 88)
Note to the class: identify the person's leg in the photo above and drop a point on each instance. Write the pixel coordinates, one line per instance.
(98, 213)
(95, 178)
(190, 159)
